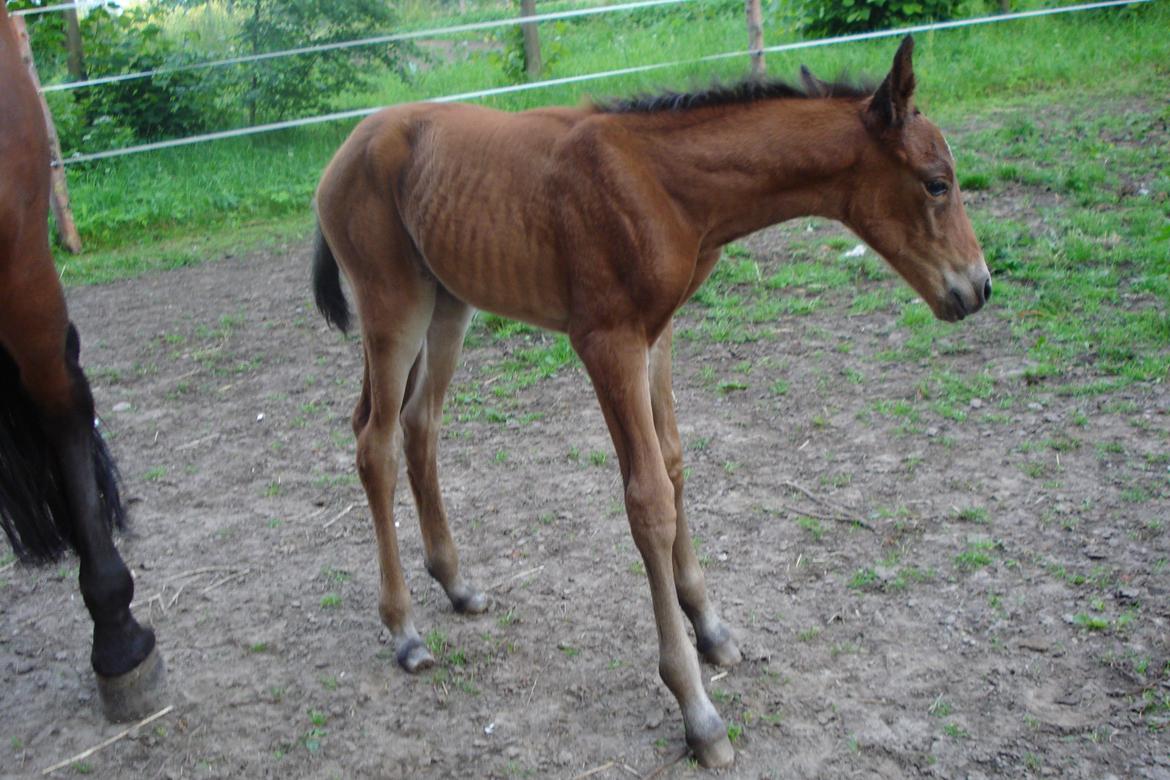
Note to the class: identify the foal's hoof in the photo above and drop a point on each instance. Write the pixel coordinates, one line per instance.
(715, 753)
(140, 692)
(469, 601)
(721, 649)
(413, 655)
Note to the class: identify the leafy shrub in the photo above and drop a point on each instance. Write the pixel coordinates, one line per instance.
(282, 87)
(161, 106)
(511, 57)
(839, 17)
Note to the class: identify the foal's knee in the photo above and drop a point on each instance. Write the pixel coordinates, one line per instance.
(417, 428)
(375, 454)
(650, 506)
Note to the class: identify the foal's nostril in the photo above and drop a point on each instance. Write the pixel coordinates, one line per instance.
(958, 304)
(987, 289)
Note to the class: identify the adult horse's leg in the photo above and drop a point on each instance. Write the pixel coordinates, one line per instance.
(617, 364)
(421, 418)
(714, 639)
(395, 304)
(130, 673)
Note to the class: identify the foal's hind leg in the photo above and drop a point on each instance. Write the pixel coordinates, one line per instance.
(395, 309)
(712, 636)
(421, 418)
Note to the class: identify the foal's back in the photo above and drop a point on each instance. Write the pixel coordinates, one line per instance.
(476, 190)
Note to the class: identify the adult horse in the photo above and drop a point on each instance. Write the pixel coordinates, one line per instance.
(58, 485)
(600, 222)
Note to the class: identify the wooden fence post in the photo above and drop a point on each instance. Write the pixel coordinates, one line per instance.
(532, 61)
(755, 26)
(59, 191)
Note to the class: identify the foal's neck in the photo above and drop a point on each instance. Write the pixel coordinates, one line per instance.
(737, 169)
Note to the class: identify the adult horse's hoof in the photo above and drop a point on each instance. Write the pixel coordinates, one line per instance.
(139, 692)
(413, 656)
(714, 754)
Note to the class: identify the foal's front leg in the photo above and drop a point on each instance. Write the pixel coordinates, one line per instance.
(617, 364)
(714, 639)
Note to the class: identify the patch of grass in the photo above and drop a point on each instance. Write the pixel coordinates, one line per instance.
(1091, 622)
(865, 579)
(977, 555)
(808, 634)
(812, 526)
(972, 514)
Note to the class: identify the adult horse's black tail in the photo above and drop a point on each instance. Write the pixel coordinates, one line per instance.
(33, 510)
(327, 290)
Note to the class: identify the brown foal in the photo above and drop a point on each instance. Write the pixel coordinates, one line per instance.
(600, 222)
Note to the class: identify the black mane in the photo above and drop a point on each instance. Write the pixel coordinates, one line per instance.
(749, 90)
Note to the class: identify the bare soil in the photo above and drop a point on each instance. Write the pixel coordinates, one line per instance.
(1000, 608)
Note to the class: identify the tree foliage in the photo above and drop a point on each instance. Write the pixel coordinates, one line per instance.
(278, 88)
(169, 35)
(839, 17)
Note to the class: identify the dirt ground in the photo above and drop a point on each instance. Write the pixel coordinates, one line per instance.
(1000, 609)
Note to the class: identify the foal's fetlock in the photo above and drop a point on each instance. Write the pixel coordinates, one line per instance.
(412, 654)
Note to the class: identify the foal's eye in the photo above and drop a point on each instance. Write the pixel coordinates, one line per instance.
(937, 188)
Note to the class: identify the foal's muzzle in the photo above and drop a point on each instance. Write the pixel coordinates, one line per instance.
(960, 303)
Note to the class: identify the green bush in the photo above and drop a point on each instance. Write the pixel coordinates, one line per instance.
(511, 57)
(284, 87)
(821, 18)
(162, 106)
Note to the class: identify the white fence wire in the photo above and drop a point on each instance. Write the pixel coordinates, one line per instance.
(81, 5)
(545, 84)
(436, 32)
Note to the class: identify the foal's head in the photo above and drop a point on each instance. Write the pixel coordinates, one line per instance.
(906, 204)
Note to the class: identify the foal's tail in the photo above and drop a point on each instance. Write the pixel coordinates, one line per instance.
(33, 509)
(327, 285)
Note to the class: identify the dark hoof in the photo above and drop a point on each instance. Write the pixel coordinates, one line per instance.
(469, 601)
(413, 655)
(715, 753)
(721, 649)
(725, 654)
(140, 692)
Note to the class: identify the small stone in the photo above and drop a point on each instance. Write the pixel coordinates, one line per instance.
(1035, 644)
(976, 403)
(122, 406)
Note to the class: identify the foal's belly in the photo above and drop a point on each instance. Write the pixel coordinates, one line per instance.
(508, 278)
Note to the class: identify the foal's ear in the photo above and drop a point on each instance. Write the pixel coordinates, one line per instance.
(813, 87)
(893, 103)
